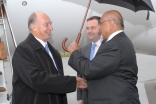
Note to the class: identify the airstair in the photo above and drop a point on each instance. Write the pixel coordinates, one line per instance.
(3, 88)
(5, 98)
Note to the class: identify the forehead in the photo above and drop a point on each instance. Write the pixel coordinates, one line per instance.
(43, 18)
(92, 22)
(104, 16)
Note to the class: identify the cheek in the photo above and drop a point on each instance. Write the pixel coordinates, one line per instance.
(103, 29)
(87, 32)
(99, 32)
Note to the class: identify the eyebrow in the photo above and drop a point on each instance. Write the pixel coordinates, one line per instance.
(47, 23)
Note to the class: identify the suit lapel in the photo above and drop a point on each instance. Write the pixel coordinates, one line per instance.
(35, 44)
(38, 46)
(56, 57)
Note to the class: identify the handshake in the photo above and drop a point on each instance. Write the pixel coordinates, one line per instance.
(81, 83)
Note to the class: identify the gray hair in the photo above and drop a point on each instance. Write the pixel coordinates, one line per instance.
(32, 20)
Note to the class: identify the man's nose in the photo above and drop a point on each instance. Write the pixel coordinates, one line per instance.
(50, 27)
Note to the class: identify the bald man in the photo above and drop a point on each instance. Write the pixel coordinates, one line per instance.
(38, 76)
(112, 73)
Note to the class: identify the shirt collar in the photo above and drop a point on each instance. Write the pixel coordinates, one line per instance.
(41, 41)
(98, 43)
(114, 34)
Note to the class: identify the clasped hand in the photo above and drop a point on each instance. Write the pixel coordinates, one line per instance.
(81, 83)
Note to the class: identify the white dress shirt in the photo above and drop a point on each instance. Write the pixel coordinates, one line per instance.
(44, 44)
(98, 43)
(114, 34)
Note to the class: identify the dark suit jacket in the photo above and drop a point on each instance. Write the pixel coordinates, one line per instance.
(35, 79)
(112, 74)
(82, 94)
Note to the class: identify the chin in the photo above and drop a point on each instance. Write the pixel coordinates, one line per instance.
(91, 37)
(48, 36)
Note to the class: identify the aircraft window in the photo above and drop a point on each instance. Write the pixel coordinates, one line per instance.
(24, 3)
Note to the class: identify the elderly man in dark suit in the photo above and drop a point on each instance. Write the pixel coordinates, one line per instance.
(37, 67)
(94, 35)
(112, 74)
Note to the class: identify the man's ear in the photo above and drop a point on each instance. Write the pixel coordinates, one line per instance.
(33, 27)
(111, 25)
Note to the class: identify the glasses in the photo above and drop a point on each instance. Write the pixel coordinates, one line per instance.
(105, 21)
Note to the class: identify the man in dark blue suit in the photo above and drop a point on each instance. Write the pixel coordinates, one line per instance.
(112, 73)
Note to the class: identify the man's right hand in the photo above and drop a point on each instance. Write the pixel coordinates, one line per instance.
(80, 102)
(81, 83)
(73, 46)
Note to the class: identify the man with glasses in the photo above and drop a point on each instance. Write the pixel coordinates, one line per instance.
(112, 74)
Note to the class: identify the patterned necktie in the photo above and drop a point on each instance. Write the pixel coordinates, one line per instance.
(92, 51)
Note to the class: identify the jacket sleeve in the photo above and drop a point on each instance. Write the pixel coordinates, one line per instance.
(104, 63)
(79, 91)
(25, 66)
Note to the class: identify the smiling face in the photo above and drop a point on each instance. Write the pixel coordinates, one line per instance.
(93, 30)
(42, 27)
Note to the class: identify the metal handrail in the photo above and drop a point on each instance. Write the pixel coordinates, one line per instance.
(12, 34)
(4, 27)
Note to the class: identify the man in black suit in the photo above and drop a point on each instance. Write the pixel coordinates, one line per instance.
(37, 67)
(112, 74)
(94, 35)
